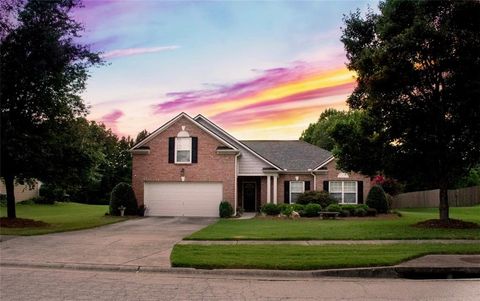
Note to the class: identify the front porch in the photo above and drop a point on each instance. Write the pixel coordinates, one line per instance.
(255, 191)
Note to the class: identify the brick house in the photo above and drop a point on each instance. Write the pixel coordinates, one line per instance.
(189, 165)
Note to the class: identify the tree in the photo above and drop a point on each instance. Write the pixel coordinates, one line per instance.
(47, 70)
(418, 79)
(141, 135)
(319, 133)
(471, 179)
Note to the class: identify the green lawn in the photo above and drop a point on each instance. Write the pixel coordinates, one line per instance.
(356, 229)
(294, 257)
(61, 217)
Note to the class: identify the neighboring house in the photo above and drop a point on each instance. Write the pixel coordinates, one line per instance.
(189, 165)
(22, 192)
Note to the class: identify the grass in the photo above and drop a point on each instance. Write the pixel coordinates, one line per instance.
(294, 257)
(354, 229)
(60, 217)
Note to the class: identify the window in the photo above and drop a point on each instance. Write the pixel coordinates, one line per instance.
(183, 150)
(344, 191)
(296, 188)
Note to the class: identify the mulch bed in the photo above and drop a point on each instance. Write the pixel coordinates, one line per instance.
(447, 224)
(20, 223)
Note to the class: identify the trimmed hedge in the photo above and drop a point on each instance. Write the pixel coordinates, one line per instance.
(271, 209)
(377, 199)
(333, 208)
(322, 198)
(360, 212)
(122, 195)
(286, 210)
(312, 210)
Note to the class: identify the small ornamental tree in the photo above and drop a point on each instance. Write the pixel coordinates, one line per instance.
(122, 195)
(377, 199)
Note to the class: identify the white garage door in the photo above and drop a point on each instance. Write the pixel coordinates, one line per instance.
(182, 199)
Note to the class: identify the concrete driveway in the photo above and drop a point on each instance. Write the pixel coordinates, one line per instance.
(138, 242)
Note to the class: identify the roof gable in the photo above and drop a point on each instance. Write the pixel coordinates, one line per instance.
(171, 122)
(221, 132)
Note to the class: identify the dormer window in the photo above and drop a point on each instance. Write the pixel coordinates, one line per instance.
(183, 147)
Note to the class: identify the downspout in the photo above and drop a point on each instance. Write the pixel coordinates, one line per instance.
(314, 180)
(236, 184)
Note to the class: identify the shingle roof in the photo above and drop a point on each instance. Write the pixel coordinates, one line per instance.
(290, 154)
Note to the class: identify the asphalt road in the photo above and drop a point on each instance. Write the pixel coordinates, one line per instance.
(50, 284)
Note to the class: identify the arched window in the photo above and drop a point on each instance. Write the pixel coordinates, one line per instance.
(183, 147)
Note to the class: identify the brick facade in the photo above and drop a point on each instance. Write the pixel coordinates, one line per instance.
(211, 167)
(214, 167)
(330, 174)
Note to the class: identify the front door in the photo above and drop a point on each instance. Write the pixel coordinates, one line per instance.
(249, 196)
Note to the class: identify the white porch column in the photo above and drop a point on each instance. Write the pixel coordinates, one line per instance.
(275, 177)
(268, 190)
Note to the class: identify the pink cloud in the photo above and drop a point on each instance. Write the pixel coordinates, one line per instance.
(267, 79)
(268, 108)
(110, 120)
(136, 51)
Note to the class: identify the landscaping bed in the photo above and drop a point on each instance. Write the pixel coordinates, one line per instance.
(41, 219)
(295, 257)
(20, 223)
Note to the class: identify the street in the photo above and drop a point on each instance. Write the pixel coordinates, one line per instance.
(52, 284)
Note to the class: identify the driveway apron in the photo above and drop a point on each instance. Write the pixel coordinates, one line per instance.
(138, 242)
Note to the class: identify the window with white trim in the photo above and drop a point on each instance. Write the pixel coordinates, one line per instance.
(296, 189)
(183, 150)
(346, 192)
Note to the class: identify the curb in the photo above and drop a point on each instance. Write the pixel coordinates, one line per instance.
(367, 272)
(380, 272)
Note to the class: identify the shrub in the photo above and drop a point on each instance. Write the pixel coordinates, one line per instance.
(40, 200)
(349, 208)
(225, 209)
(371, 212)
(389, 200)
(360, 212)
(322, 198)
(122, 195)
(286, 209)
(312, 209)
(141, 210)
(334, 208)
(377, 199)
(299, 208)
(271, 209)
(364, 206)
(345, 213)
(52, 193)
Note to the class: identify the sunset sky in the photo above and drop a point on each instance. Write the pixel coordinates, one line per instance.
(261, 70)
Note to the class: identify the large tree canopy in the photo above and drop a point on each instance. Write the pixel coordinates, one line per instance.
(418, 68)
(44, 69)
(319, 133)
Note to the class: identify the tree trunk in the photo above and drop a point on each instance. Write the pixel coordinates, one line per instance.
(10, 186)
(444, 210)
